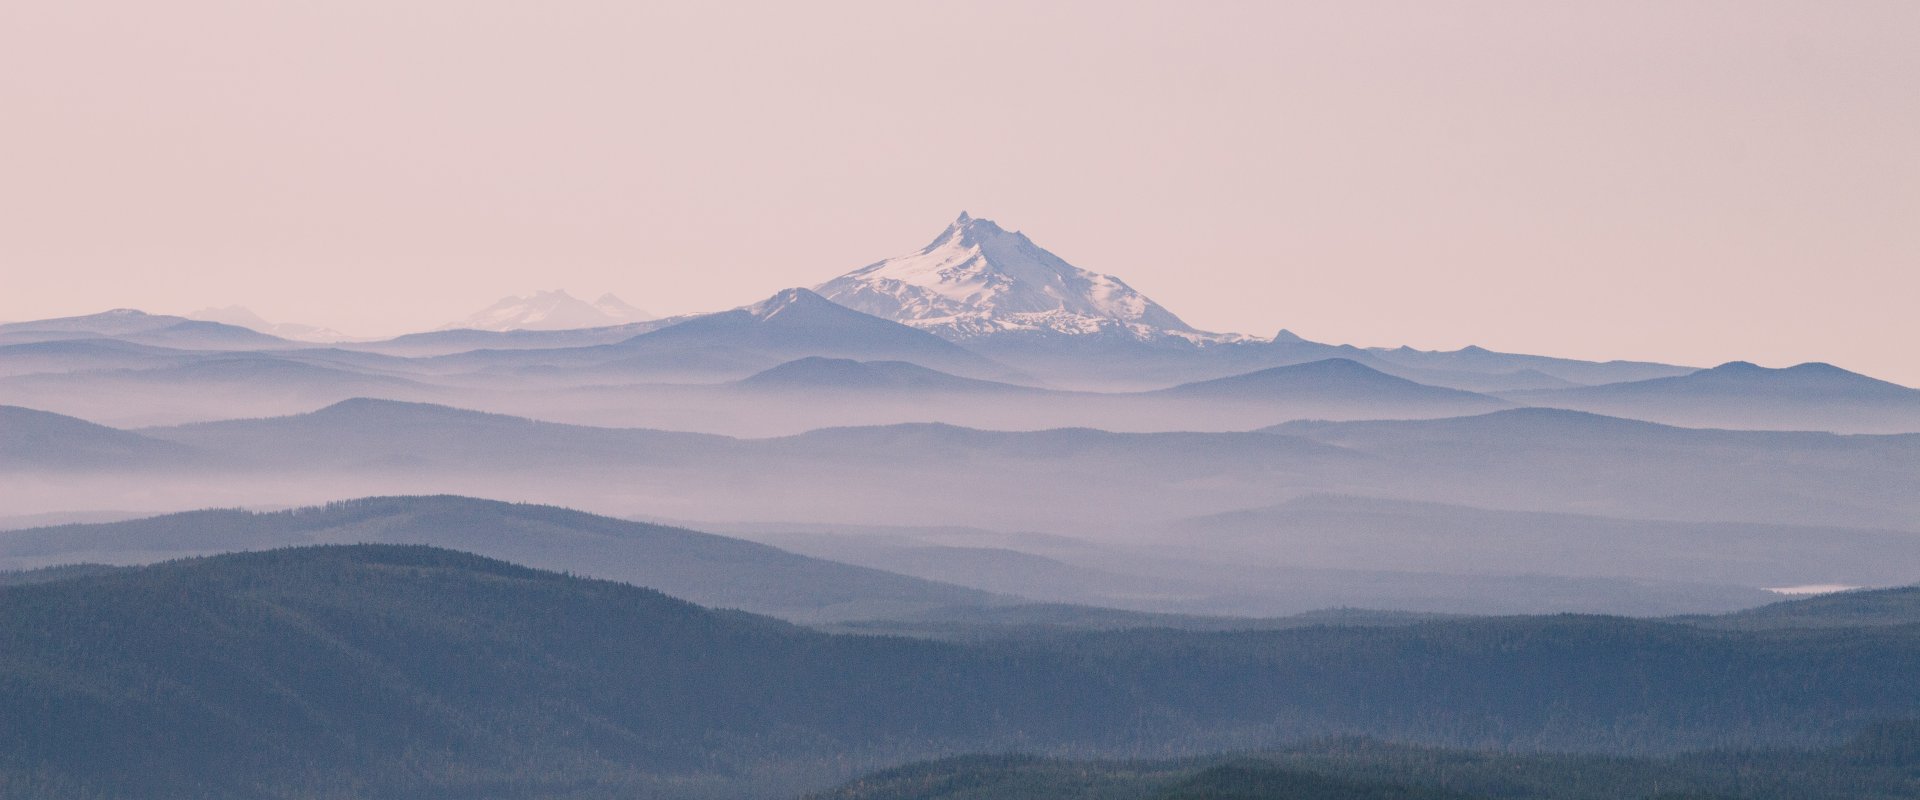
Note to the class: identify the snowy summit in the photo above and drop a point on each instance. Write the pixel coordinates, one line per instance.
(550, 311)
(978, 279)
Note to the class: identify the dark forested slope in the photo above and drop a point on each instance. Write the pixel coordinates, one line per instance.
(391, 671)
(384, 671)
(1879, 764)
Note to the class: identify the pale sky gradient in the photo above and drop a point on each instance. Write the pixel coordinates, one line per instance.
(1684, 181)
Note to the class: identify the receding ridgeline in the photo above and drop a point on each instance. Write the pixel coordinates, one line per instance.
(408, 671)
(998, 528)
(1877, 763)
(713, 570)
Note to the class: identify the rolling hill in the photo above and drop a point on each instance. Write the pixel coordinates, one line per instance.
(368, 433)
(1738, 394)
(38, 440)
(450, 342)
(1529, 460)
(726, 345)
(1337, 383)
(212, 387)
(1566, 371)
(1876, 763)
(712, 570)
(1854, 609)
(1538, 459)
(815, 373)
(139, 327)
(73, 355)
(797, 323)
(390, 671)
(1341, 532)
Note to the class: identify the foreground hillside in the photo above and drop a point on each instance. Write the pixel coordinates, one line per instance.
(381, 671)
(384, 671)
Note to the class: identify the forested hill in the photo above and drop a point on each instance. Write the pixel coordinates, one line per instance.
(713, 570)
(1031, 778)
(1860, 608)
(1880, 763)
(406, 671)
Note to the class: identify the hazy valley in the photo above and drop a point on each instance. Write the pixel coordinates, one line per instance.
(968, 500)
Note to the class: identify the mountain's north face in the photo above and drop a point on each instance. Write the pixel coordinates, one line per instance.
(978, 279)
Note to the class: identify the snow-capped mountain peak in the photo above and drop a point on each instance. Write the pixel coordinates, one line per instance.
(977, 278)
(551, 311)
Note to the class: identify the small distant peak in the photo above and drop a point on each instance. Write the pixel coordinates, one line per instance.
(963, 219)
(821, 361)
(807, 368)
(1344, 364)
(793, 295)
(1324, 366)
(123, 312)
(1739, 366)
(1823, 371)
(1562, 415)
(354, 405)
(1286, 337)
(361, 406)
(1819, 366)
(786, 299)
(1474, 349)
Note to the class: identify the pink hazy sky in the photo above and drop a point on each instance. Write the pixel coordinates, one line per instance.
(1684, 181)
